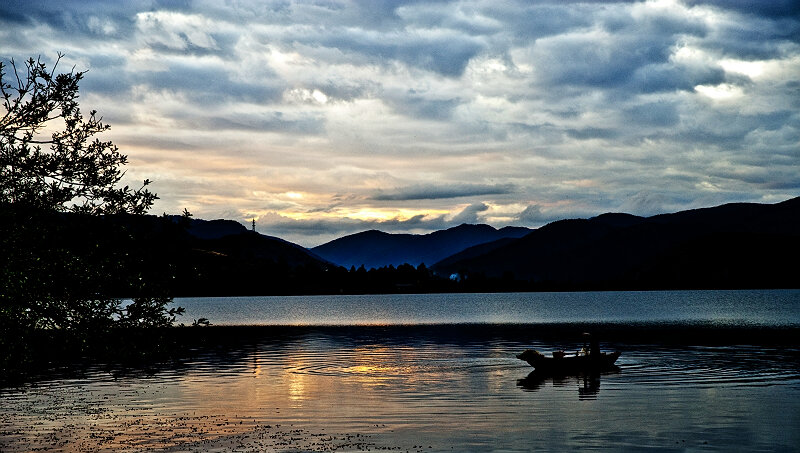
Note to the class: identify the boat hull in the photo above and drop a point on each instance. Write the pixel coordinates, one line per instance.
(570, 364)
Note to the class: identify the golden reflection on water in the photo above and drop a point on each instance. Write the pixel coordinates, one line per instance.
(295, 381)
(379, 366)
(315, 392)
(256, 366)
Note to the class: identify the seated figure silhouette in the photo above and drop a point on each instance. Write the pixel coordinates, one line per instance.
(581, 361)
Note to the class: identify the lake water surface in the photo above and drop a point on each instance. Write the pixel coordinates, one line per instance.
(703, 370)
(753, 307)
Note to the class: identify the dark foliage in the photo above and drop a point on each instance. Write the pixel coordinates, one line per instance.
(69, 170)
(63, 253)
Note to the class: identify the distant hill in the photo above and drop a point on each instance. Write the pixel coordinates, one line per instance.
(730, 246)
(733, 245)
(247, 263)
(214, 229)
(195, 257)
(237, 239)
(374, 249)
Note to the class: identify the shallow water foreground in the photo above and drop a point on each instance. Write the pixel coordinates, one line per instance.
(424, 388)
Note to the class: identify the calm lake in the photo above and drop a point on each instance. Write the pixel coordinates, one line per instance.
(700, 370)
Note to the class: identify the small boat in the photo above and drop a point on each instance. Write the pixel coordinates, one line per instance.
(561, 362)
(581, 361)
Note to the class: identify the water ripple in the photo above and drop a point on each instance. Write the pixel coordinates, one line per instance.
(711, 366)
(407, 384)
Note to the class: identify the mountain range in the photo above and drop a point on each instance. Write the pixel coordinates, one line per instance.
(375, 249)
(740, 245)
(733, 245)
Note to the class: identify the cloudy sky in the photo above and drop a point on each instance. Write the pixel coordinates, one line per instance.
(321, 118)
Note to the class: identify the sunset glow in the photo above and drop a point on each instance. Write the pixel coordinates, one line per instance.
(328, 118)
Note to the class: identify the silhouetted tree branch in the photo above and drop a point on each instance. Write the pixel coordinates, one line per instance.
(62, 255)
(69, 170)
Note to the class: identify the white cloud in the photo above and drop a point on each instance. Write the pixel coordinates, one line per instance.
(470, 214)
(175, 30)
(459, 110)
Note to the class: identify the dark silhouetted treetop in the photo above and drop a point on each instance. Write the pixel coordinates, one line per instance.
(49, 158)
(69, 242)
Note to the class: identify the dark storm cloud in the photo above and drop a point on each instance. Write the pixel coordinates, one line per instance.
(625, 53)
(589, 133)
(14, 12)
(331, 228)
(422, 106)
(773, 8)
(531, 215)
(85, 20)
(660, 114)
(754, 38)
(644, 204)
(470, 214)
(274, 122)
(432, 192)
(664, 77)
(730, 130)
(347, 91)
(445, 53)
(526, 21)
(463, 17)
(212, 85)
(328, 229)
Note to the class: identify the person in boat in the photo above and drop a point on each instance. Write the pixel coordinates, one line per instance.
(588, 358)
(594, 347)
(591, 346)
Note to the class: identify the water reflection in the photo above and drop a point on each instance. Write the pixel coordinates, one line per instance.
(401, 387)
(588, 384)
(766, 307)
